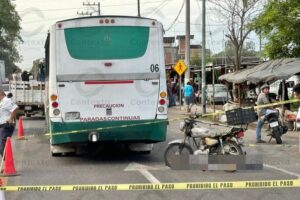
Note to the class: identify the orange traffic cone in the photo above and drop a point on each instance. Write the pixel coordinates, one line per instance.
(20, 130)
(9, 166)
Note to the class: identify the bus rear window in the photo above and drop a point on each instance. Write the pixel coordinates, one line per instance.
(107, 42)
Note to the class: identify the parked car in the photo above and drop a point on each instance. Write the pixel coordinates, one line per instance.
(221, 93)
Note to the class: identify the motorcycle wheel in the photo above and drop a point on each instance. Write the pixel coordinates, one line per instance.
(176, 149)
(276, 134)
(233, 148)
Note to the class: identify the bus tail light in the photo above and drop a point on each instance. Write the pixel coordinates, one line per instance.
(162, 102)
(161, 109)
(53, 97)
(163, 94)
(55, 104)
(56, 111)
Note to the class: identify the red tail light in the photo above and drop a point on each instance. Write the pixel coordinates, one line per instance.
(240, 134)
(55, 104)
(162, 102)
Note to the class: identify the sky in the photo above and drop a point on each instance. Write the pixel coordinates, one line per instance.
(37, 16)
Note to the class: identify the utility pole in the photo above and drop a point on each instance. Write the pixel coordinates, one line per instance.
(90, 5)
(203, 70)
(139, 8)
(187, 42)
(260, 46)
(99, 13)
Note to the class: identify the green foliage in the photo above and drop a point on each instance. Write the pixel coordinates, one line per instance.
(198, 61)
(247, 51)
(9, 34)
(279, 23)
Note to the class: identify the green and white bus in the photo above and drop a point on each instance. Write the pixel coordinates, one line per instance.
(105, 82)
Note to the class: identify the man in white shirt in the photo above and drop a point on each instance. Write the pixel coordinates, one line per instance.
(8, 110)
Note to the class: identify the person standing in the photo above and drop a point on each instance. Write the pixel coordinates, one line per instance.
(188, 96)
(169, 91)
(25, 76)
(8, 110)
(285, 97)
(262, 99)
(195, 90)
(296, 89)
(15, 76)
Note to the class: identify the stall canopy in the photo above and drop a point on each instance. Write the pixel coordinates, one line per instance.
(267, 71)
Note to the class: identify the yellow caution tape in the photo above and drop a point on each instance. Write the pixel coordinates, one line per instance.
(257, 107)
(273, 145)
(161, 186)
(159, 121)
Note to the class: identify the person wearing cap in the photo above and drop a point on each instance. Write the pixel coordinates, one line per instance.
(262, 99)
(8, 110)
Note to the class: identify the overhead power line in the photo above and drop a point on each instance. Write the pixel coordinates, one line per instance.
(112, 5)
(175, 20)
(90, 5)
(159, 7)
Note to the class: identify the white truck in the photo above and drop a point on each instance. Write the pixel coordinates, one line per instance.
(28, 95)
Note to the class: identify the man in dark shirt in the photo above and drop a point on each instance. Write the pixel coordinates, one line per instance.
(25, 76)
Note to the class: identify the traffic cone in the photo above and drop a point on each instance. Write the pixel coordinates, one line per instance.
(20, 130)
(9, 166)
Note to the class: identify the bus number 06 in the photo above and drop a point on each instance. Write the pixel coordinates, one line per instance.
(154, 68)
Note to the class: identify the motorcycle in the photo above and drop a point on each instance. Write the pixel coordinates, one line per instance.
(204, 141)
(276, 126)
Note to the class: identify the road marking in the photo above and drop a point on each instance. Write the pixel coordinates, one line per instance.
(143, 169)
(149, 176)
(282, 170)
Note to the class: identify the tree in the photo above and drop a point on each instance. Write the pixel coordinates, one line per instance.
(9, 34)
(239, 15)
(248, 50)
(279, 23)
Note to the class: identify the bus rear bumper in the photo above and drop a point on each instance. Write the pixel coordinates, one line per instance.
(148, 131)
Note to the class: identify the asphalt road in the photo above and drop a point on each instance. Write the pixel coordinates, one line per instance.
(114, 165)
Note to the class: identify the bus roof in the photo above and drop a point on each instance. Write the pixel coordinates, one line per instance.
(105, 16)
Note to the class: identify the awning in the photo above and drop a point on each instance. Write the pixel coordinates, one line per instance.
(267, 71)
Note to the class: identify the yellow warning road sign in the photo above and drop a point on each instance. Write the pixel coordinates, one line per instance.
(180, 67)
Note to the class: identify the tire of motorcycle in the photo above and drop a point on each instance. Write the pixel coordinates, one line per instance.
(277, 135)
(231, 144)
(183, 147)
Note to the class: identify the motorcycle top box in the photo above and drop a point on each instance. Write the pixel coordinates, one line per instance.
(241, 116)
